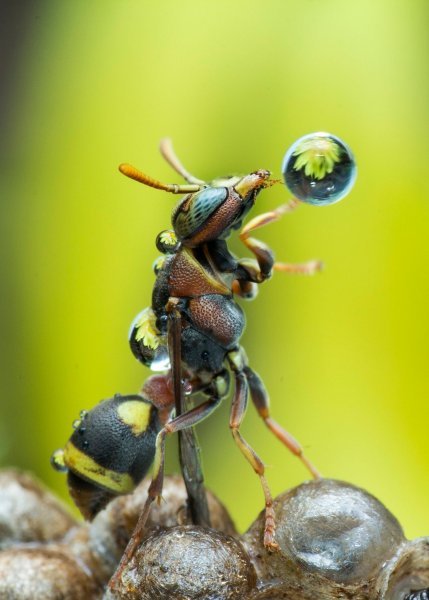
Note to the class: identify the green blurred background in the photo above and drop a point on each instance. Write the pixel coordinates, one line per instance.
(87, 85)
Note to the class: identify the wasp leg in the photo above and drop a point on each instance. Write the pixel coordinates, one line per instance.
(188, 445)
(263, 253)
(263, 268)
(251, 271)
(307, 268)
(260, 399)
(245, 288)
(268, 217)
(174, 332)
(238, 409)
(186, 420)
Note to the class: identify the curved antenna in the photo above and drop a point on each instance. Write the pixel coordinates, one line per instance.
(174, 188)
(167, 151)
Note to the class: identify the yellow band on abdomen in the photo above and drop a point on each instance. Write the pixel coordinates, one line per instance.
(84, 465)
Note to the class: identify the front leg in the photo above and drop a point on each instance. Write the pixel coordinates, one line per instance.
(261, 270)
(264, 255)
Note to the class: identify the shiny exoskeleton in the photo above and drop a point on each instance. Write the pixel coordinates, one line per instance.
(192, 333)
(418, 595)
(194, 310)
(113, 445)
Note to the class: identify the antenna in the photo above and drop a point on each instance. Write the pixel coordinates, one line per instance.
(174, 188)
(167, 151)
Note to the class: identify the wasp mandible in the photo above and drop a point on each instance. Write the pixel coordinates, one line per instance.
(192, 330)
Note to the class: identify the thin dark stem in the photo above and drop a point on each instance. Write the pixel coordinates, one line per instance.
(189, 451)
(190, 463)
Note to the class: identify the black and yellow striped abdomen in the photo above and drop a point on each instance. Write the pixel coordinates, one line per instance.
(110, 451)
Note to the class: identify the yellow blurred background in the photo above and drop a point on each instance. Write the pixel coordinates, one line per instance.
(344, 354)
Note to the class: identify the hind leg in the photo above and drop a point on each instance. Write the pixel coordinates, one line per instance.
(264, 255)
(260, 399)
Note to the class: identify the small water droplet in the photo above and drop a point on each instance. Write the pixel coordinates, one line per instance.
(57, 461)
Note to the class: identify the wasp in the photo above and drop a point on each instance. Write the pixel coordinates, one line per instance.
(190, 334)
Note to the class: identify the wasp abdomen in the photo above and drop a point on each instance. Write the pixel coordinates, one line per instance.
(110, 451)
(88, 497)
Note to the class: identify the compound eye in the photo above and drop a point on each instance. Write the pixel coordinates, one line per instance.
(319, 168)
(191, 215)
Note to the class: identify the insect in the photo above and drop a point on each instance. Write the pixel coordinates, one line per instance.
(191, 334)
(113, 445)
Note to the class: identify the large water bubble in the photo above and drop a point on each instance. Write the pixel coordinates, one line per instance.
(319, 168)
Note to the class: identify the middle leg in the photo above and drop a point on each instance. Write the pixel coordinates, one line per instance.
(238, 409)
(264, 255)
